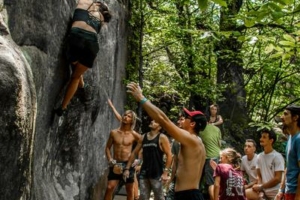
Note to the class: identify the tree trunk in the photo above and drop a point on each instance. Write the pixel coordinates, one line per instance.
(230, 73)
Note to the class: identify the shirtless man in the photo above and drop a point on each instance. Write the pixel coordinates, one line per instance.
(192, 154)
(122, 140)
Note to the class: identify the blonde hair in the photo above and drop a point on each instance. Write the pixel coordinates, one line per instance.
(133, 118)
(233, 156)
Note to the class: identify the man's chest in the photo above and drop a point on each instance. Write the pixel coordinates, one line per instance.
(123, 139)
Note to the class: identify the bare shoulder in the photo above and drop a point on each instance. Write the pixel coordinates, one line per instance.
(163, 137)
(113, 132)
(190, 139)
(194, 145)
(84, 3)
(112, 137)
(179, 134)
(136, 135)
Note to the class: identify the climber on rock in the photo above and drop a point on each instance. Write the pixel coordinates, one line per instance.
(82, 44)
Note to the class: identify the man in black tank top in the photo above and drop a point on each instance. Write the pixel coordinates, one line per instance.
(153, 174)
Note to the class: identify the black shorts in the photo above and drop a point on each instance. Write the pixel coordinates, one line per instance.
(113, 176)
(209, 172)
(193, 194)
(82, 47)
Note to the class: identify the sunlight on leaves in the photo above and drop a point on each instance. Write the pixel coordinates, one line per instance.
(287, 43)
(220, 2)
(269, 48)
(203, 4)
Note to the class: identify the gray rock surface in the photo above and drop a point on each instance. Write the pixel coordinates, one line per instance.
(44, 157)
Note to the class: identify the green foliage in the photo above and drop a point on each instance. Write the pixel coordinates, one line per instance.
(261, 125)
(182, 43)
(203, 4)
(280, 144)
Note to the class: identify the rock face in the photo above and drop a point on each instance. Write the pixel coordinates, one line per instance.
(44, 157)
(18, 111)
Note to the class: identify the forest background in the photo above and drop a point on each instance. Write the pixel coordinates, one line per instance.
(242, 55)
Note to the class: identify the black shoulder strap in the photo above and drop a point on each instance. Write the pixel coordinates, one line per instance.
(145, 138)
(90, 6)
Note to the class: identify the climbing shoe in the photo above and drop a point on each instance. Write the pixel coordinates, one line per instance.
(59, 111)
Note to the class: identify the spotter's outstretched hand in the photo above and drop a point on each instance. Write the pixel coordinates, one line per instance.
(135, 90)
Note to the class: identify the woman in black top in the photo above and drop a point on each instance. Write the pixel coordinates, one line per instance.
(214, 117)
(83, 44)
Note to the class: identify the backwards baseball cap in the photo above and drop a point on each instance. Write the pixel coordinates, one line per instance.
(293, 108)
(192, 113)
(198, 117)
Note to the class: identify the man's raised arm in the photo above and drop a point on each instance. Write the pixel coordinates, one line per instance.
(116, 113)
(159, 116)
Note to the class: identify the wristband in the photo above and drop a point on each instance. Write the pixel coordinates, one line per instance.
(281, 190)
(112, 161)
(167, 169)
(126, 169)
(140, 162)
(144, 100)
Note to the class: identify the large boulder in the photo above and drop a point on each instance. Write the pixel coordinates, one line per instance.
(18, 105)
(44, 157)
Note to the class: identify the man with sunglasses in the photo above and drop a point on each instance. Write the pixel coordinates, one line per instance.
(192, 153)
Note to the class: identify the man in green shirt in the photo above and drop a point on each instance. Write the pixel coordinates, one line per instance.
(211, 138)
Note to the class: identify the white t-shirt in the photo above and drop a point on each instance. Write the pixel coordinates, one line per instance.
(268, 165)
(250, 167)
